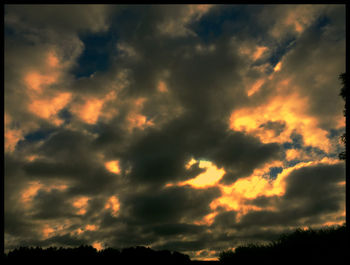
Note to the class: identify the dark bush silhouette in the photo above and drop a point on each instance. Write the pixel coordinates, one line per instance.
(89, 255)
(328, 245)
(343, 78)
(324, 246)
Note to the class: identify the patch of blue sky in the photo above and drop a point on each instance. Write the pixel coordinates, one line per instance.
(9, 31)
(97, 53)
(65, 115)
(292, 163)
(227, 20)
(38, 135)
(281, 49)
(335, 133)
(34, 137)
(296, 143)
(274, 171)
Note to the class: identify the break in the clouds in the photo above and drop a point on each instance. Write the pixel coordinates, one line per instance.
(188, 127)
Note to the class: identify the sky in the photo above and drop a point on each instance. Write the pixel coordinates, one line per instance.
(193, 128)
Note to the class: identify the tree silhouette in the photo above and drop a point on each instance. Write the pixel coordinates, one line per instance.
(343, 79)
(328, 245)
(89, 255)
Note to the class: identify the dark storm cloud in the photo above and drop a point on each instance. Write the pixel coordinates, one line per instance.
(309, 58)
(275, 126)
(225, 219)
(16, 225)
(173, 229)
(77, 17)
(197, 53)
(161, 155)
(310, 192)
(51, 205)
(170, 204)
(60, 240)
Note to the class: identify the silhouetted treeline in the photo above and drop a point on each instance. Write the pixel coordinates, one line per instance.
(322, 246)
(89, 255)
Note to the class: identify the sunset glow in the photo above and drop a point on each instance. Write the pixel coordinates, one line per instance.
(190, 128)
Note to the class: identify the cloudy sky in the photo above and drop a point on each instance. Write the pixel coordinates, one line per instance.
(192, 128)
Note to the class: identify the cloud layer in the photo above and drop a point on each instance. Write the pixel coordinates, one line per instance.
(188, 127)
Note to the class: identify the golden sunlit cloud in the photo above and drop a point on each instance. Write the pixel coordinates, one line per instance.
(208, 178)
(31, 191)
(91, 227)
(234, 195)
(292, 154)
(289, 110)
(81, 203)
(54, 228)
(278, 67)
(138, 121)
(207, 220)
(113, 166)
(98, 246)
(259, 52)
(190, 163)
(12, 137)
(52, 60)
(90, 111)
(255, 88)
(48, 108)
(162, 87)
(113, 205)
(48, 231)
(135, 118)
(36, 81)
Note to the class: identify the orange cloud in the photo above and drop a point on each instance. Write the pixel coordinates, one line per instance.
(12, 137)
(207, 220)
(135, 118)
(97, 245)
(259, 51)
(256, 86)
(34, 186)
(81, 204)
(292, 154)
(52, 60)
(29, 193)
(138, 121)
(91, 227)
(208, 178)
(48, 108)
(113, 205)
(162, 87)
(54, 228)
(288, 109)
(278, 67)
(36, 81)
(234, 196)
(113, 166)
(91, 110)
(190, 163)
(48, 231)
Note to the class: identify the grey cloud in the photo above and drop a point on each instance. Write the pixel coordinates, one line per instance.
(172, 229)
(52, 205)
(310, 193)
(191, 120)
(170, 205)
(76, 17)
(277, 127)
